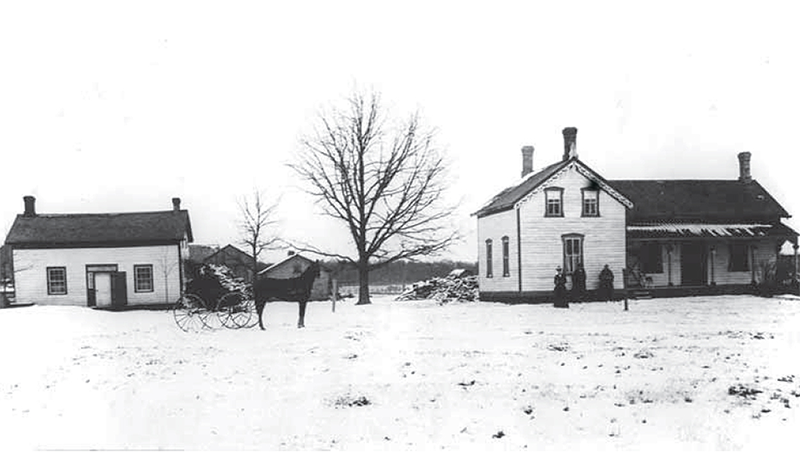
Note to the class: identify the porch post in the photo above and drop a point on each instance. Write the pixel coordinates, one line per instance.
(669, 264)
(794, 273)
(713, 253)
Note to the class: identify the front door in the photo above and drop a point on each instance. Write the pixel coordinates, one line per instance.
(102, 289)
(693, 264)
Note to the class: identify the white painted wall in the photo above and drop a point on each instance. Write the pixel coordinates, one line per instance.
(495, 227)
(31, 275)
(764, 252)
(542, 249)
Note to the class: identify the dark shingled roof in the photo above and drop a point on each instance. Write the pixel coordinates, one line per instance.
(507, 198)
(699, 201)
(100, 229)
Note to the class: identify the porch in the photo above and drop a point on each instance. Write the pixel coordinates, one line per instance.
(689, 259)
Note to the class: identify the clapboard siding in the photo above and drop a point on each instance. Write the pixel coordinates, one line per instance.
(542, 249)
(31, 278)
(762, 254)
(495, 227)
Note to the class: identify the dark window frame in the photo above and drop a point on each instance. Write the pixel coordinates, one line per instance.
(560, 203)
(596, 204)
(736, 262)
(506, 269)
(488, 258)
(136, 287)
(569, 263)
(50, 281)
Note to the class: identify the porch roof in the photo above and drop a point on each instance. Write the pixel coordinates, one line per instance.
(664, 230)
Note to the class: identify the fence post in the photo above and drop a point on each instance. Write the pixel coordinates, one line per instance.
(625, 286)
(335, 294)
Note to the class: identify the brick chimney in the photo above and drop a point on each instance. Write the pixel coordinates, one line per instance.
(527, 160)
(30, 206)
(570, 135)
(176, 204)
(744, 167)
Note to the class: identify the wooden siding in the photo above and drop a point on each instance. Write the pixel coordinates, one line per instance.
(31, 279)
(765, 252)
(495, 227)
(293, 267)
(542, 248)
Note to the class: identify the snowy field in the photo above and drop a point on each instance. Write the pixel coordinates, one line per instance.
(670, 374)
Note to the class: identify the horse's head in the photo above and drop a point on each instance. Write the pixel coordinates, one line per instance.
(315, 268)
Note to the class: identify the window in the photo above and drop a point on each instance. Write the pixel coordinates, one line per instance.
(573, 252)
(739, 261)
(650, 258)
(143, 278)
(553, 198)
(591, 200)
(488, 258)
(506, 271)
(56, 280)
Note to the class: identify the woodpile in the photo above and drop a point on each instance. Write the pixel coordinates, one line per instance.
(443, 290)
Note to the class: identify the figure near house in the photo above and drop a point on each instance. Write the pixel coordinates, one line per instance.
(560, 289)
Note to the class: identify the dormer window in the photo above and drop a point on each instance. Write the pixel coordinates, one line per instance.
(554, 202)
(591, 202)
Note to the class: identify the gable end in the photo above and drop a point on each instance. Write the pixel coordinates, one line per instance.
(585, 171)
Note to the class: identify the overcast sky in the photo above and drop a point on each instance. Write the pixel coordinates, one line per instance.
(119, 106)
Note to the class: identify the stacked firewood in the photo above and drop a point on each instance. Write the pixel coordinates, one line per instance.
(444, 290)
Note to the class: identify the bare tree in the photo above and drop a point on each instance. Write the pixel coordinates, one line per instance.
(257, 225)
(385, 183)
(168, 265)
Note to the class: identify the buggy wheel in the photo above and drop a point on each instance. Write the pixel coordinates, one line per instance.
(232, 310)
(211, 320)
(251, 307)
(189, 312)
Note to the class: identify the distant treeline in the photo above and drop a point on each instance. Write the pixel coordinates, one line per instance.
(398, 272)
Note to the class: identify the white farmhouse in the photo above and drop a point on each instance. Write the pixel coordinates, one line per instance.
(104, 260)
(677, 237)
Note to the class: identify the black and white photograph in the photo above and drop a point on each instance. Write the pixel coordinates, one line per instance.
(355, 225)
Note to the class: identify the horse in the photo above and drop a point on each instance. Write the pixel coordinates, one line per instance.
(292, 289)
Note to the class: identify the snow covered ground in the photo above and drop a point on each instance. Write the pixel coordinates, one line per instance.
(409, 375)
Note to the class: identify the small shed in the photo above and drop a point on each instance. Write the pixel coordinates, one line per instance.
(237, 260)
(294, 265)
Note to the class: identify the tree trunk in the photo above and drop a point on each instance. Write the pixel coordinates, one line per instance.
(363, 282)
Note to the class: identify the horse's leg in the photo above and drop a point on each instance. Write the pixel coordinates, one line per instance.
(260, 309)
(301, 305)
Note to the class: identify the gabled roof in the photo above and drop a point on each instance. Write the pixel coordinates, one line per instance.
(508, 198)
(699, 201)
(100, 229)
(287, 259)
(230, 251)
